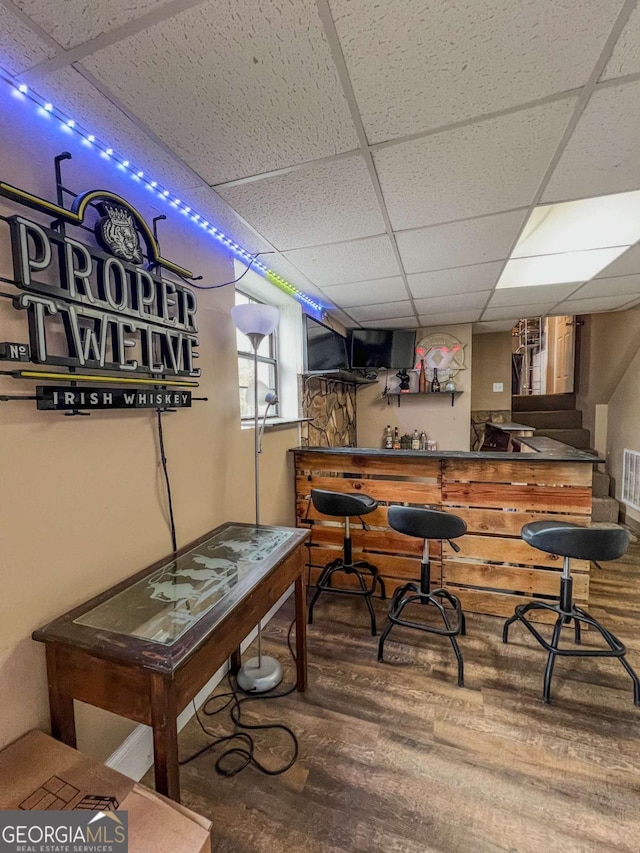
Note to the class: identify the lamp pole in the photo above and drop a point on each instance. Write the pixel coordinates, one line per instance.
(256, 321)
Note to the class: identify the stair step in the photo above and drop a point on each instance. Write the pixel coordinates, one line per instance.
(600, 484)
(552, 419)
(580, 438)
(542, 402)
(605, 509)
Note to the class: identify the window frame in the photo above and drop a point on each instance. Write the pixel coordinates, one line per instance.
(271, 359)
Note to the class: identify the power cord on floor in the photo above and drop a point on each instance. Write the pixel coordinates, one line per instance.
(234, 759)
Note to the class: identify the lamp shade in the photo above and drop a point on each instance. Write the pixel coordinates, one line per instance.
(255, 318)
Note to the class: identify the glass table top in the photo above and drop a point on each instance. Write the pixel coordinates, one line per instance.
(164, 605)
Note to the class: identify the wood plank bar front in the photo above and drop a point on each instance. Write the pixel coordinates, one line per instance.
(495, 569)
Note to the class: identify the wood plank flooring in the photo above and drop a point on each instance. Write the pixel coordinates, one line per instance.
(396, 758)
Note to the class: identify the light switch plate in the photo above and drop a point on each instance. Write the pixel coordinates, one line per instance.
(498, 386)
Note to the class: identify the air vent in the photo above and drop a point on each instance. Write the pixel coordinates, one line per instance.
(631, 479)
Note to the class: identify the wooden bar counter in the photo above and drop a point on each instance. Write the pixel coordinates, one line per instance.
(495, 493)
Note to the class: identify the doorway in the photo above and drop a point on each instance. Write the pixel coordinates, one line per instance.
(544, 356)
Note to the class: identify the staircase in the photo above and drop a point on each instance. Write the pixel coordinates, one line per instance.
(556, 416)
(552, 415)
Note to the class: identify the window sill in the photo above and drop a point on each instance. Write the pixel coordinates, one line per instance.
(276, 423)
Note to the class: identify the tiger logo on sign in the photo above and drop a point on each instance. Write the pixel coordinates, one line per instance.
(117, 232)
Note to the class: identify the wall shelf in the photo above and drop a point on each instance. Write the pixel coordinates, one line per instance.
(432, 394)
(346, 376)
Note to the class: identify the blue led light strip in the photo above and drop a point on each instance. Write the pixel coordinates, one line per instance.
(162, 191)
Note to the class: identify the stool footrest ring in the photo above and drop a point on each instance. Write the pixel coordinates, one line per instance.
(409, 594)
(566, 615)
(323, 584)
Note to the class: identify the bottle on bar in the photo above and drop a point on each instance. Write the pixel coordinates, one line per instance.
(396, 439)
(422, 378)
(435, 383)
(388, 438)
(415, 441)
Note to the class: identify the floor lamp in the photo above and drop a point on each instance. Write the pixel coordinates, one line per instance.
(256, 321)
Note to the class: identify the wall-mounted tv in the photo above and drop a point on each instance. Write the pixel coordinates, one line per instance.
(390, 348)
(325, 349)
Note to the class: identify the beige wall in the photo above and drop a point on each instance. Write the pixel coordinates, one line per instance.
(623, 426)
(448, 425)
(83, 501)
(609, 375)
(491, 363)
(608, 343)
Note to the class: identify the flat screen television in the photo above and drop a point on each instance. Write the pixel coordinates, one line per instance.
(390, 348)
(325, 349)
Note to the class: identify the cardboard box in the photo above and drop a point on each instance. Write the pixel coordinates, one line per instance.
(37, 772)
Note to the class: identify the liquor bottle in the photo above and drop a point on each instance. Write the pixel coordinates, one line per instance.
(423, 440)
(388, 438)
(396, 439)
(415, 441)
(422, 378)
(435, 384)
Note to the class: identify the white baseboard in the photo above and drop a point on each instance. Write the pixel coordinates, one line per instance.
(134, 756)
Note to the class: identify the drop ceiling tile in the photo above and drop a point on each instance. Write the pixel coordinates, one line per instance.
(383, 311)
(72, 22)
(627, 264)
(341, 263)
(495, 326)
(321, 203)
(506, 296)
(78, 98)
(452, 318)
(589, 306)
(465, 280)
(417, 64)
(20, 48)
(341, 317)
(241, 93)
(471, 241)
(442, 304)
(283, 267)
(208, 204)
(603, 154)
(625, 285)
(625, 58)
(367, 292)
(518, 312)
(396, 323)
(490, 166)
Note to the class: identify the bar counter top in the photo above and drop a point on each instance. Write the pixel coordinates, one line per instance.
(542, 449)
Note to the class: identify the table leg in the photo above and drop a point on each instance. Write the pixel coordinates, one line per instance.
(164, 722)
(63, 719)
(301, 634)
(236, 661)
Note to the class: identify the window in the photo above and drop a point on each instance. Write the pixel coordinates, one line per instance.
(267, 367)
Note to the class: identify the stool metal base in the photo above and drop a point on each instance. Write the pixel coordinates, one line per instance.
(567, 614)
(323, 584)
(410, 593)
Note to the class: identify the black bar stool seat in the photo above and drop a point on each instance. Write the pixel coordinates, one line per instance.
(582, 543)
(347, 506)
(427, 524)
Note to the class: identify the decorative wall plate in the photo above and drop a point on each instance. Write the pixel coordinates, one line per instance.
(442, 351)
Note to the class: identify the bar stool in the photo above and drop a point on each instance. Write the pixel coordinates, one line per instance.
(427, 524)
(339, 504)
(581, 543)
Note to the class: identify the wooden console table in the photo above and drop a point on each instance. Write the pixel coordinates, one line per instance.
(144, 648)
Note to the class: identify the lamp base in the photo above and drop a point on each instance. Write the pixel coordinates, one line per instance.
(259, 675)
